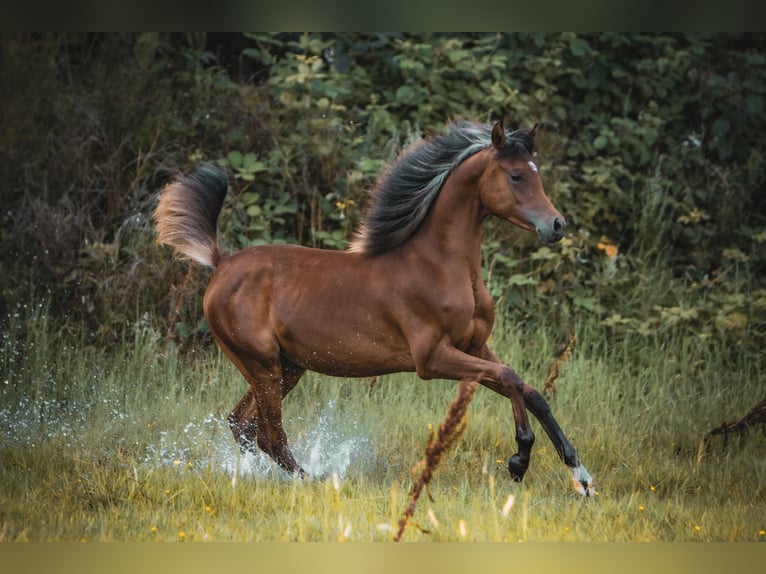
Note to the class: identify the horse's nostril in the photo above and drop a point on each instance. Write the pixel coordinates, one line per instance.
(559, 225)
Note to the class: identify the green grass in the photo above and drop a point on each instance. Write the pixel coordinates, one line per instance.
(128, 444)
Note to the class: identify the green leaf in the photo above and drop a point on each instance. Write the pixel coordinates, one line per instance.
(235, 158)
(731, 321)
(522, 280)
(543, 253)
(456, 56)
(587, 303)
(579, 47)
(504, 259)
(250, 198)
(721, 127)
(368, 165)
(404, 93)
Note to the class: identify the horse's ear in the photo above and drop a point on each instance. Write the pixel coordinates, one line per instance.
(533, 130)
(498, 135)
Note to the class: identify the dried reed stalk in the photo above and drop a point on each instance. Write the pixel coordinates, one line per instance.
(450, 430)
(755, 416)
(550, 384)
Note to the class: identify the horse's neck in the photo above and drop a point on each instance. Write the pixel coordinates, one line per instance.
(452, 229)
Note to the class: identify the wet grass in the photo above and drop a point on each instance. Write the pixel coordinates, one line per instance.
(128, 444)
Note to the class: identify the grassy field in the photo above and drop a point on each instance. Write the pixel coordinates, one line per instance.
(128, 444)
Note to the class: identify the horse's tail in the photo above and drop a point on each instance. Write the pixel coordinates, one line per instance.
(187, 213)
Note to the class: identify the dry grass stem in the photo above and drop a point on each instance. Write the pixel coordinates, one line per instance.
(550, 382)
(450, 430)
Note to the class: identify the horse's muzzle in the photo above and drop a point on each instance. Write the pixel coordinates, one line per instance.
(553, 232)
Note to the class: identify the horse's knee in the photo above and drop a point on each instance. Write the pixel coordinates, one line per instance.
(535, 401)
(511, 381)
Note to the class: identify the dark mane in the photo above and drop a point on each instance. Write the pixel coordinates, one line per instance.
(408, 187)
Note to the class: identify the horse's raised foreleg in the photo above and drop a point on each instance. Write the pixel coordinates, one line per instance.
(538, 406)
(447, 362)
(519, 462)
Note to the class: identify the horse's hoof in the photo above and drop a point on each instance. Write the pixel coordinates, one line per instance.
(582, 481)
(517, 468)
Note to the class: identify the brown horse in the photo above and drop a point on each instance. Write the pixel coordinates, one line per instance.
(407, 296)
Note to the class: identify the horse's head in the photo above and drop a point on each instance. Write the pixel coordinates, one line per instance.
(511, 186)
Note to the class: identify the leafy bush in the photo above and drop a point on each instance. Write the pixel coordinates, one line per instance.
(651, 146)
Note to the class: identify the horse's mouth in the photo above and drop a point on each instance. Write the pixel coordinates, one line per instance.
(551, 239)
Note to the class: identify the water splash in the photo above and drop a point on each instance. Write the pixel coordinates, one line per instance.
(327, 442)
(30, 422)
(327, 447)
(330, 447)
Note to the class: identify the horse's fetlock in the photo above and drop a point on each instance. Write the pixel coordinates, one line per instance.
(570, 458)
(526, 438)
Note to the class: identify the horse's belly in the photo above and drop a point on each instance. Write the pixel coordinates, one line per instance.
(348, 355)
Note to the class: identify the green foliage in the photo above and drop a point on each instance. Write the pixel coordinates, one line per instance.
(651, 146)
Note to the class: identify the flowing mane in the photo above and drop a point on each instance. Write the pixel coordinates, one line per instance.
(407, 188)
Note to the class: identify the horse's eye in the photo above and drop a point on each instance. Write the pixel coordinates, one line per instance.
(515, 176)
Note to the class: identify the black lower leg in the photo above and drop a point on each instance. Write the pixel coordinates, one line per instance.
(538, 406)
(519, 462)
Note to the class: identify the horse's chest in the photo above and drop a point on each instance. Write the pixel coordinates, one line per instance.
(472, 319)
(482, 320)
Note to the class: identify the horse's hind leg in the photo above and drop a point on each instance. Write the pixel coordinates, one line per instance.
(257, 418)
(242, 421)
(243, 416)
